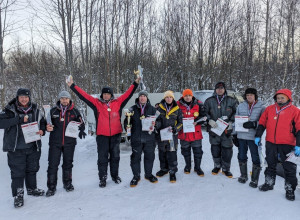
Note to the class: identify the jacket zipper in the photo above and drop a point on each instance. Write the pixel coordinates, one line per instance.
(63, 142)
(36, 118)
(276, 128)
(109, 124)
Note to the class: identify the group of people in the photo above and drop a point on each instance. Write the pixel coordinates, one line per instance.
(280, 120)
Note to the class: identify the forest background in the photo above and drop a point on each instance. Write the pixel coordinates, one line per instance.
(180, 44)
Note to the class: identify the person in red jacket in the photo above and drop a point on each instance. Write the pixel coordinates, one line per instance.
(191, 108)
(282, 123)
(107, 112)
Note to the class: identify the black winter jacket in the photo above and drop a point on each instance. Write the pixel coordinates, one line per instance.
(226, 112)
(57, 136)
(11, 120)
(173, 119)
(137, 135)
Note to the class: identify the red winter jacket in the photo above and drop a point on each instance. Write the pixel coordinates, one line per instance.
(196, 112)
(281, 127)
(108, 122)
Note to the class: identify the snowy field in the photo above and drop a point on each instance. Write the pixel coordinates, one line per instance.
(191, 197)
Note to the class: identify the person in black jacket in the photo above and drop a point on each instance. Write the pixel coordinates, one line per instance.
(23, 158)
(141, 141)
(59, 144)
(221, 106)
(170, 116)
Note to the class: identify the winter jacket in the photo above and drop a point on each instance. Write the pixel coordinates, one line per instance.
(281, 128)
(226, 112)
(137, 135)
(108, 119)
(11, 121)
(172, 118)
(196, 111)
(243, 110)
(57, 136)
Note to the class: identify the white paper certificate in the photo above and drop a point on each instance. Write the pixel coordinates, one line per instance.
(222, 125)
(293, 158)
(72, 129)
(188, 125)
(30, 132)
(147, 123)
(239, 121)
(166, 134)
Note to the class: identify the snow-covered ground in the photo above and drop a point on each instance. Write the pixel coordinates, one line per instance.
(191, 197)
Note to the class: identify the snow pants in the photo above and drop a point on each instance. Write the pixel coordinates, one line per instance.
(135, 160)
(108, 151)
(272, 151)
(23, 164)
(186, 147)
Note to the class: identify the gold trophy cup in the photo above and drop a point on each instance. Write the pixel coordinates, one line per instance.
(128, 114)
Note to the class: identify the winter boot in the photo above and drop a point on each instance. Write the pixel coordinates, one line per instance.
(244, 173)
(51, 184)
(255, 176)
(172, 178)
(289, 195)
(50, 192)
(69, 187)
(135, 181)
(187, 170)
(116, 179)
(215, 171)
(102, 183)
(188, 162)
(67, 180)
(161, 173)
(19, 198)
(268, 185)
(35, 192)
(199, 172)
(265, 187)
(151, 178)
(227, 173)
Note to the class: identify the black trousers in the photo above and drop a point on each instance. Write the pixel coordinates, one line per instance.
(24, 164)
(108, 151)
(149, 156)
(222, 156)
(196, 146)
(55, 153)
(167, 158)
(290, 169)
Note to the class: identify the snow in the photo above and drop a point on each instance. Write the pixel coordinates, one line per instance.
(191, 197)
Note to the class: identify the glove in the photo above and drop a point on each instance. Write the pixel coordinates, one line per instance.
(235, 140)
(257, 141)
(250, 124)
(174, 130)
(212, 123)
(297, 151)
(82, 134)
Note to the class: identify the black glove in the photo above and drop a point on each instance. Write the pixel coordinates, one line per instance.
(235, 140)
(174, 130)
(82, 134)
(250, 124)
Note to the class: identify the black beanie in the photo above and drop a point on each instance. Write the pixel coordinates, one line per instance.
(251, 91)
(220, 84)
(107, 90)
(23, 92)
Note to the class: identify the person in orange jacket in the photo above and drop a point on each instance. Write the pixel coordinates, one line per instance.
(191, 108)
